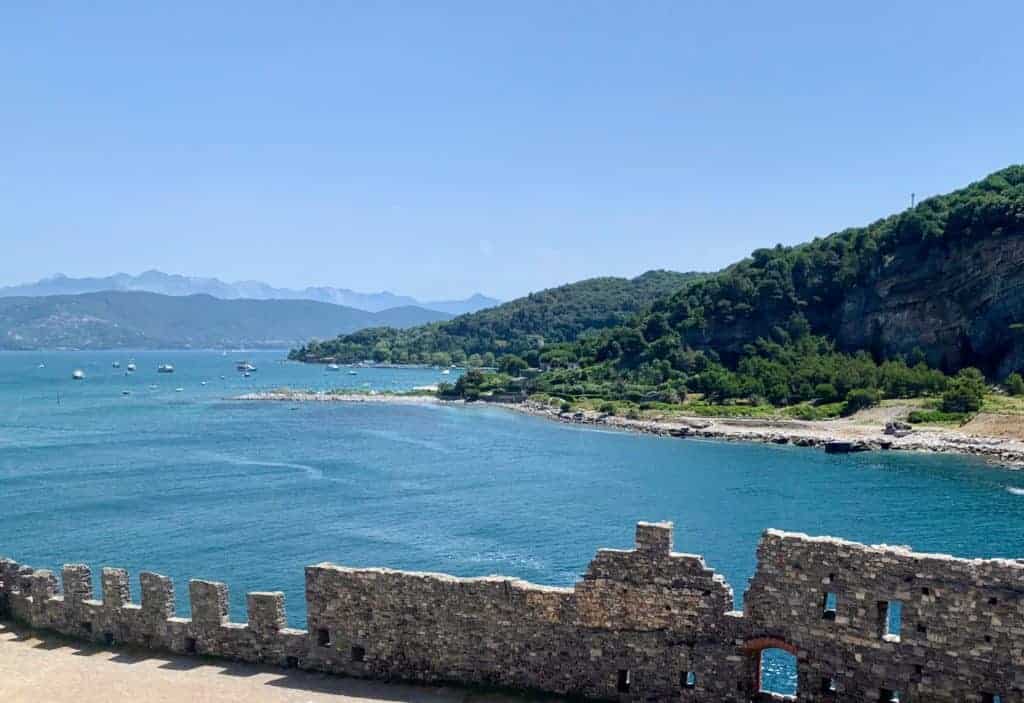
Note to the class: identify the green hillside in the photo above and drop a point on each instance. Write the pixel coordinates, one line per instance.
(123, 319)
(520, 326)
(886, 310)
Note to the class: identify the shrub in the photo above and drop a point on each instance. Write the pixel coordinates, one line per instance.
(965, 392)
(565, 407)
(822, 411)
(919, 416)
(826, 393)
(860, 398)
(607, 408)
(1015, 384)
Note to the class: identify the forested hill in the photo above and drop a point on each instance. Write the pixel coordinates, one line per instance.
(871, 312)
(550, 316)
(946, 277)
(138, 320)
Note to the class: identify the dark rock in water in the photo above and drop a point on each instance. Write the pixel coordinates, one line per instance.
(778, 439)
(845, 447)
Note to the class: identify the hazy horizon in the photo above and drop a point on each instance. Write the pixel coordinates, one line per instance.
(135, 274)
(443, 151)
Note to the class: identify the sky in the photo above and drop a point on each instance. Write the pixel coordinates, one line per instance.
(436, 149)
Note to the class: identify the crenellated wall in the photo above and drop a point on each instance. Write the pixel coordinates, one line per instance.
(643, 624)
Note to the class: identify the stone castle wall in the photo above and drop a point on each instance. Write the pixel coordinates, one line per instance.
(646, 624)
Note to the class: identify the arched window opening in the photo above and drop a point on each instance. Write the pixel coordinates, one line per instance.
(778, 672)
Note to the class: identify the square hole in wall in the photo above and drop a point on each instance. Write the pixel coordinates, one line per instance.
(108, 638)
(921, 629)
(291, 662)
(886, 695)
(190, 645)
(828, 605)
(86, 626)
(828, 685)
(623, 681)
(890, 619)
(323, 638)
(688, 679)
(358, 653)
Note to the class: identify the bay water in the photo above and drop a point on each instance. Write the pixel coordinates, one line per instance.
(127, 470)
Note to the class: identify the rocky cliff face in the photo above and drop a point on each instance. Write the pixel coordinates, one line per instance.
(963, 305)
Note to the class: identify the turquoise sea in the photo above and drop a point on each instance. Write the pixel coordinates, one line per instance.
(190, 483)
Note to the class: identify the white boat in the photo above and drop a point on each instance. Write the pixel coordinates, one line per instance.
(165, 368)
(246, 375)
(446, 372)
(116, 364)
(78, 374)
(245, 367)
(352, 373)
(178, 390)
(202, 383)
(42, 366)
(333, 367)
(130, 366)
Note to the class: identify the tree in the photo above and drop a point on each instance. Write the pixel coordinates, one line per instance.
(965, 392)
(1015, 384)
(511, 365)
(859, 399)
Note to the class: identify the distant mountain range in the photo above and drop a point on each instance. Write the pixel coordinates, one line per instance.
(173, 284)
(142, 320)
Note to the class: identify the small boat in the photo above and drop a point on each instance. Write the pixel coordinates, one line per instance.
(333, 367)
(130, 366)
(178, 390)
(202, 383)
(116, 364)
(78, 374)
(352, 373)
(42, 366)
(126, 392)
(245, 367)
(165, 368)
(446, 372)
(246, 375)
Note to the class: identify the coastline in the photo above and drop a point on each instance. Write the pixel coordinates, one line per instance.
(1006, 452)
(852, 434)
(283, 395)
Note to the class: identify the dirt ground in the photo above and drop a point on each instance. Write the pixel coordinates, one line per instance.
(995, 425)
(43, 669)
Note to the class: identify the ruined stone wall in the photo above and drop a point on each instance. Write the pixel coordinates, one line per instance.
(960, 636)
(643, 624)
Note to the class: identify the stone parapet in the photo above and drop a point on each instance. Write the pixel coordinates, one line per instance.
(862, 623)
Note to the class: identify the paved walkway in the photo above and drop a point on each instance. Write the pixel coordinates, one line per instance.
(36, 668)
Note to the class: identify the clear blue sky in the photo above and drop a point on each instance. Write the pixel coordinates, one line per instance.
(436, 149)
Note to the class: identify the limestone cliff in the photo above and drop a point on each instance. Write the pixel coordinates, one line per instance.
(963, 305)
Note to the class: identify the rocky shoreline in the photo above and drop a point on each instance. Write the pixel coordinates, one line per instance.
(324, 397)
(836, 436)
